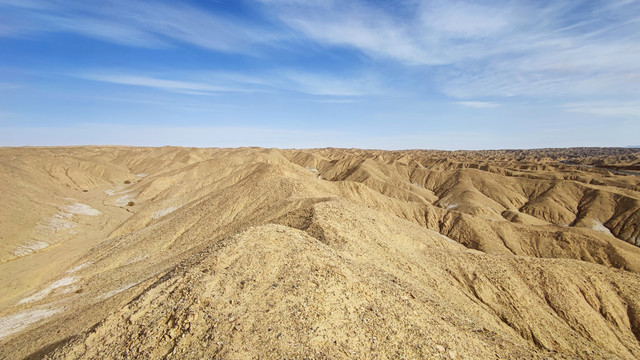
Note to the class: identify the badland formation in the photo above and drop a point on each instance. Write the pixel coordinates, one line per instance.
(185, 253)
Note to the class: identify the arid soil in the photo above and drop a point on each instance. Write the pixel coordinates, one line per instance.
(123, 252)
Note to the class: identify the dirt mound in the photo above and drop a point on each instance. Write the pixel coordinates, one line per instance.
(329, 253)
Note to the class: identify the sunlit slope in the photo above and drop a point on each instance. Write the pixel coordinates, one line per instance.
(317, 253)
(526, 192)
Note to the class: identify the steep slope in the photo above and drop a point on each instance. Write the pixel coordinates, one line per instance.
(488, 191)
(328, 253)
(279, 291)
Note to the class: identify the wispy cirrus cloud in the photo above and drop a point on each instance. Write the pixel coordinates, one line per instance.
(478, 104)
(353, 24)
(211, 82)
(328, 85)
(414, 33)
(180, 86)
(470, 49)
(619, 109)
(569, 53)
(518, 48)
(402, 61)
(135, 23)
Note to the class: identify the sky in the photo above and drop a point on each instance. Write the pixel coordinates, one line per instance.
(392, 74)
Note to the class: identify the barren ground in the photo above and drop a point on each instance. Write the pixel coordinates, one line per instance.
(123, 252)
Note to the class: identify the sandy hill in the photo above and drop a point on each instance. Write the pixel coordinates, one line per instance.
(123, 252)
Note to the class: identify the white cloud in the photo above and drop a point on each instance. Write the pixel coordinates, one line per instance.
(465, 50)
(198, 27)
(206, 86)
(488, 49)
(419, 33)
(332, 101)
(136, 23)
(504, 81)
(210, 83)
(596, 57)
(467, 20)
(353, 24)
(152, 82)
(378, 37)
(328, 85)
(621, 109)
(106, 30)
(478, 104)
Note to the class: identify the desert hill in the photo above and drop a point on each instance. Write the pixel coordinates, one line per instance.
(123, 252)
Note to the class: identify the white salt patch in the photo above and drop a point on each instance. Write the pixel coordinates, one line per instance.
(124, 199)
(78, 268)
(115, 191)
(13, 323)
(320, 177)
(64, 282)
(63, 215)
(29, 247)
(59, 221)
(116, 291)
(160, 213)
(35, 297)
(312, 169)
(68, 289)
(63, 220)
(600, 227)
(142, 175)
(83, 209)
(55, 285)
(451, 206)
(136, 259)
(416, 184)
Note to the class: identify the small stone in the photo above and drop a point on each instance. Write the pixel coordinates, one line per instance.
(453, 354)
(440, 348)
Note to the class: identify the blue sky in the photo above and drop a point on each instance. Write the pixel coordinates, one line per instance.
(291, 73)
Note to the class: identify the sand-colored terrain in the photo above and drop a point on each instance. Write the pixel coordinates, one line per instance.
(123, 252)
